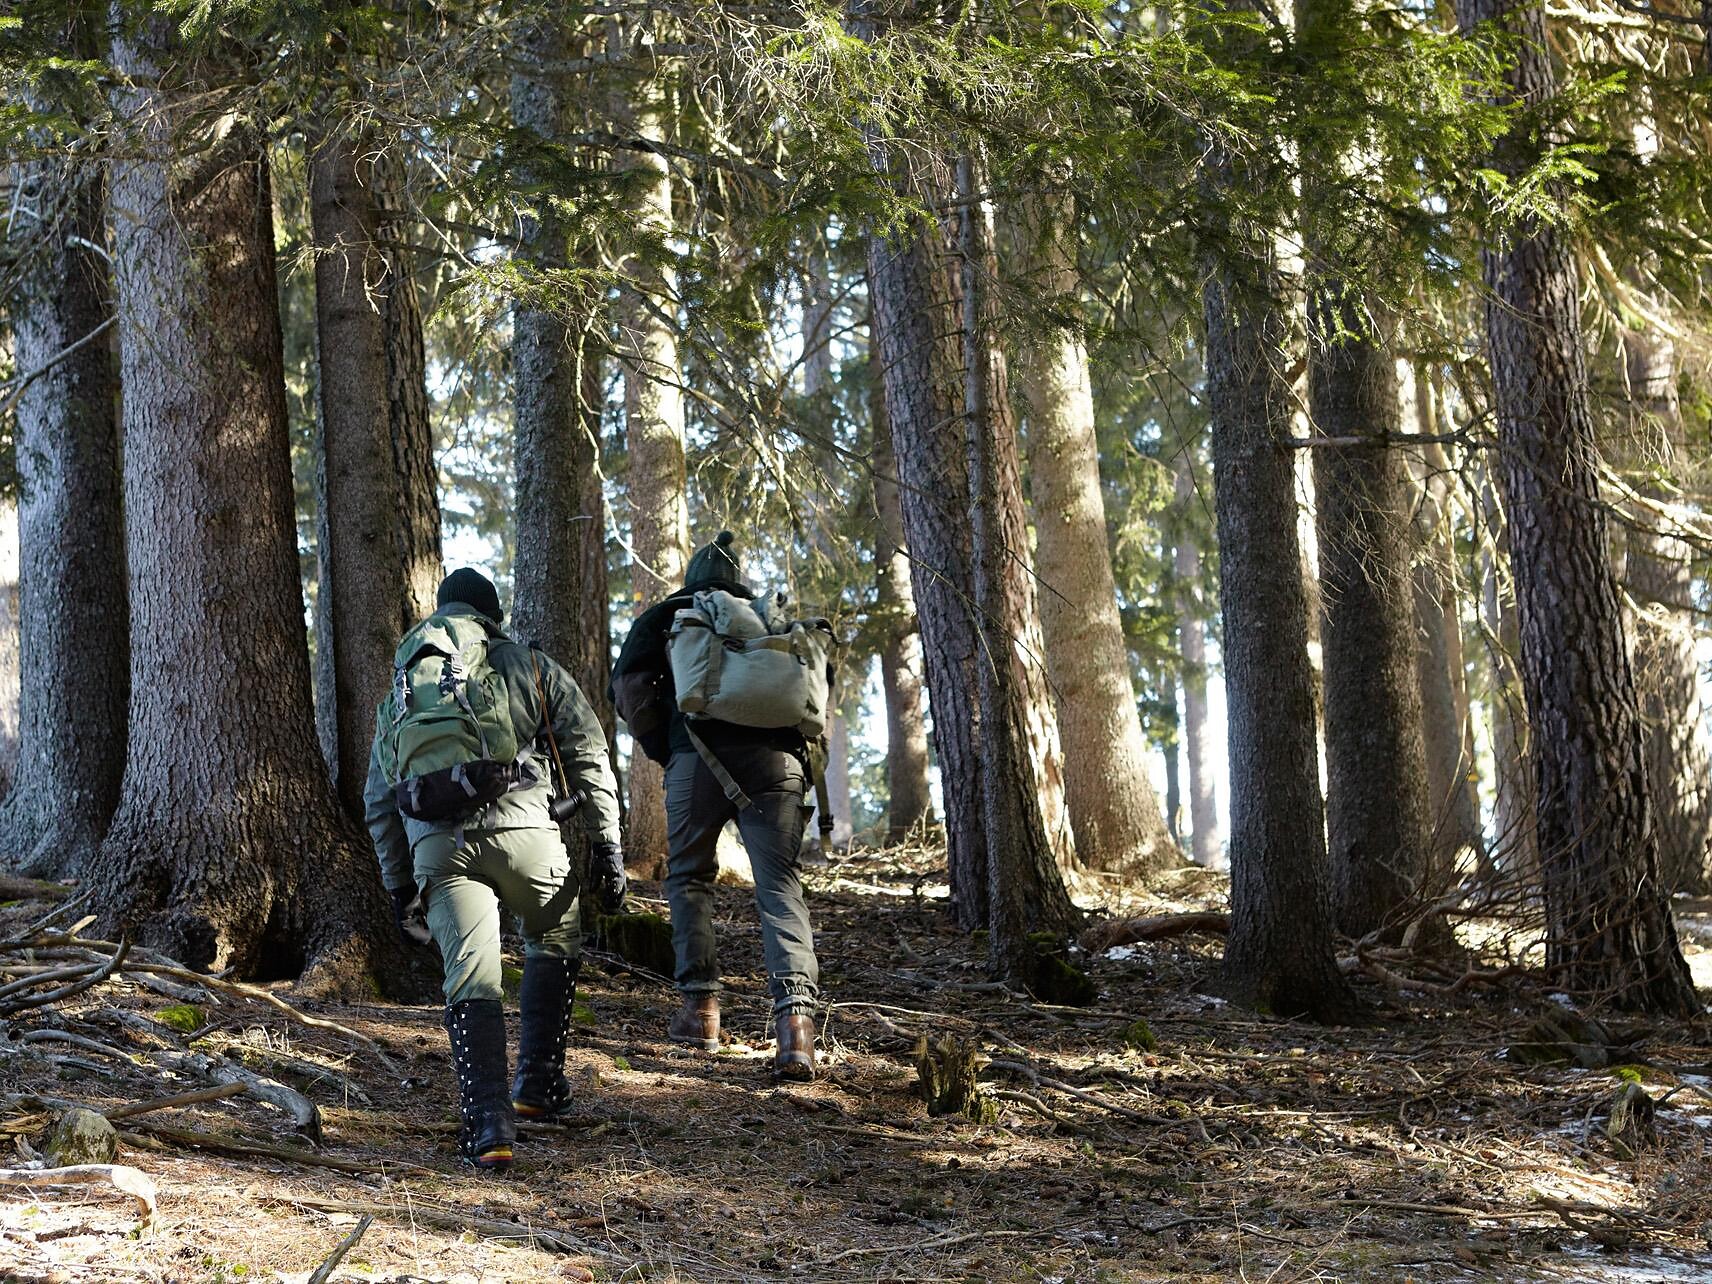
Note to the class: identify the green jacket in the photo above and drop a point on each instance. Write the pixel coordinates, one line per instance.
(582, 747)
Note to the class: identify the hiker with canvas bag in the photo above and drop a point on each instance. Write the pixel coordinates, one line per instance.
(725, 691)
(482, 748)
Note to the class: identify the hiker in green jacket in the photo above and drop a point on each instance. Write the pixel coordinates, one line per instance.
(770, 765)
(471, 746)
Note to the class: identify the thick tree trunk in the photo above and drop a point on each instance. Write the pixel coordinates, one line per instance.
(1114, 810)
(408, 407)
(228, 848)
(1279, 955)
(367, 594)
(1376, 795)
(10, 637)
(71, 581)
(1206, 842)
(1024, 889)
(559, 520)
(915, 300)
(1660, 578)
(654, 437)
(909, 802)
(1609, 927)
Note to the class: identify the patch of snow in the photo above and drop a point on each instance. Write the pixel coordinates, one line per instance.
(1120, 952)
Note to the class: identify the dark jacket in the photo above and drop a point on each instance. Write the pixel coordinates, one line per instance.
(643, 694)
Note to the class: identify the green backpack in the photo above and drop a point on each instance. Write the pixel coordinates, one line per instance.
(447, 743)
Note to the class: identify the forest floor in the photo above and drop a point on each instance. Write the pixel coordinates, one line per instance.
(1239, 1148)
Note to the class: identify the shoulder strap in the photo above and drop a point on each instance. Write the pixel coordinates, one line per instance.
(547, 725)
(727, 781)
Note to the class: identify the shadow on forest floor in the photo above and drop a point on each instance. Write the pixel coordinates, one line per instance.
(1241, 1148)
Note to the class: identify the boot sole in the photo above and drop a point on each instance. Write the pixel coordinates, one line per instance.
(497, 1161)
(799, 1069)
(704, 1045)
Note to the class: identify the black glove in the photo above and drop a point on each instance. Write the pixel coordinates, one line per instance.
(401, 898)
(606, 876)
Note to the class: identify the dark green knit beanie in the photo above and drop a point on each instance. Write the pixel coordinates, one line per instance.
(714, 565)
(472, 588)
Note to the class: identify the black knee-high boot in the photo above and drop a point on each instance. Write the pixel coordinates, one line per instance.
(476, 1028)
(540, 1090)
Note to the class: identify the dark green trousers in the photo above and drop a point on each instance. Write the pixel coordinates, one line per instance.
(525, 871)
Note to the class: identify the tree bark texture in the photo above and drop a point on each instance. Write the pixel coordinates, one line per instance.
(1114, 811)
(369, 590)
(1279, 955)
(1024, 889)
(1206, 842)
(909, 802)
(1453, 808)
(654, 437)
(228, 848)
(559, 570)
(1659, 576)
(1376, 770)
(1514, 849)
(72, 645)
(10, 637)
(915, 299)
(1609, 928)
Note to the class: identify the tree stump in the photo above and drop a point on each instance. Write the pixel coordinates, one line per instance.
(948, 1072)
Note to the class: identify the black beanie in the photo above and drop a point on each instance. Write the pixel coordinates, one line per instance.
(714, 564)
(472, 588)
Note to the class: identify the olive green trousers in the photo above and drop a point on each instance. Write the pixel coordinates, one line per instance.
(467, 882)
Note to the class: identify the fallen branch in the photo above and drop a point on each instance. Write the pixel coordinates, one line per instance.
(944, 1241)
(217, 1093)
(94, 978)
(324, 1272)
(132, 1181)
(1094, 1098)
(13, 888)
(305, 1116)
(447, 1219)
(1154, 927)
(233, 1146)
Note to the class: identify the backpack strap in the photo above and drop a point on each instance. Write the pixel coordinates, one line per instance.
(547, 725)
(727, 782)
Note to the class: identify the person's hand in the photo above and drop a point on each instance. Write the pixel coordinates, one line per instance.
(606, 876)
(409, 912)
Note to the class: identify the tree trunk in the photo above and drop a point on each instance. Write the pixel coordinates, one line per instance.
(228, 848)
(1025, 892)
(654, 437)
(1279, 955)
(1660, 577)
(559, 521)
(11, 629)
(367, 593)
(1114, 810)
(71, 581)
(915, 300)
(1206, 843)
(1609, 928)
(909, 802)
(408, 407)
(1514, 850)
(1376, 796)
(1453, 809)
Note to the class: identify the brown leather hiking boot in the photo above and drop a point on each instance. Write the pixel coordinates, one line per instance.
(696, 1024)
(795, 1056)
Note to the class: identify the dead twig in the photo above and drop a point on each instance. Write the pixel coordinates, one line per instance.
(944, 1241)
(233, 1146)
(324, 1272)
(217, 1093)
(416, 1213)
